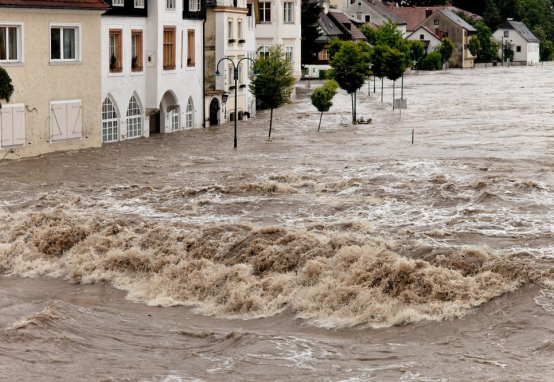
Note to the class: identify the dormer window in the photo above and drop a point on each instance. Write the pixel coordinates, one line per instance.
(118, 3)
(194, 5)
(139, 3)
(170, 5)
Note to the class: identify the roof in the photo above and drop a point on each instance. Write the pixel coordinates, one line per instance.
(520, 28)
(458, 20)
(384, 11)
(428, 30)
(329, 26)
(56, 4)
(416, 15)
(347, 24)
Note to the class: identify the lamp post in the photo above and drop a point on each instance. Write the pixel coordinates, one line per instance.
(224, 98)
(416, 59)
(369, 81)
(236, 78)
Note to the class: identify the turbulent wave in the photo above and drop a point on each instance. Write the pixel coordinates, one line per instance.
(336, 275)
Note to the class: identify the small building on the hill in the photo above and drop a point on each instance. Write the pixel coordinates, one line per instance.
(427, 37)
(373, 12)
(526, 45)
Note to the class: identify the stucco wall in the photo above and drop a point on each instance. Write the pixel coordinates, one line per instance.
(529, 54)
(37, 82)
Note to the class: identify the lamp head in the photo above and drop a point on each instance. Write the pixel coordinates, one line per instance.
(217, 74)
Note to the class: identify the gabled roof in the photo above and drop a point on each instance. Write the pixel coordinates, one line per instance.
(458, 20)
(416, 15)
(329, 26)
(384, 11)
(347, 24)
(56, 4)
(428, 30)
(520, 28)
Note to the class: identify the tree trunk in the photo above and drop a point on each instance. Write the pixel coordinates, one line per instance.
(382, 85)
(393, 88)
(354, 116)
(270, 123)
(352, 104)
(321, 116)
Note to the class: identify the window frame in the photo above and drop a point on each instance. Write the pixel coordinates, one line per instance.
(168, 28)
(137, 4)
(289, 12)
(366, 15)
(134, 118)
(191, 48)
(140, 56)
(118, 3)
(112, 120)
(170, 5)
(291, 53)
(117, 33)
(263, 49)
(262, 9)
(189, 114)
(506, 34)
(195, 5)
(20, 43)
(78, 48)
(174, 117)
(436, 22)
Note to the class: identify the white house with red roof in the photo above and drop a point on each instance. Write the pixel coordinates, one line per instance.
(427, 37)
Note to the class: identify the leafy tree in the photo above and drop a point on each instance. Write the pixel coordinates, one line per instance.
(433, 61)
(474, 46)
(546, 50)
(309, 33)
(489, 48)
(377, 58)
(492, 15)
(508, 51)
(322, 97)
(446, 48)
(274, 82)
(6, 87)
(351, 68)
(395, 66)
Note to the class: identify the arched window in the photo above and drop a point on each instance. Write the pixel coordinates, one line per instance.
(109, 121)
(174, 119)
(134, 119)
(190, 114)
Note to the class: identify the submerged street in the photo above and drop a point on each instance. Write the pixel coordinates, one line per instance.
(345, 255)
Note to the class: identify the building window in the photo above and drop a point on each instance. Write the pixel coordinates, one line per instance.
(265, 12)
(139, 3)
(230, 29)
(118, 3)
(66, 120)
(109, 121)
(191, 55)
(136, 51)
(116, 50)
(174, 115)
(194, 5)
(169, 48)
(64, 43)
(288, 10)
(506, 34)
(12, 125)
(288, 53)
(436, 22)
(263, 51)
(170, 5)
(240, 75)
(367, 18)
(422, 37)
(134, 119)
(239, 30)
(518, 49)
(9, 43)
(189, 116)
(323, 55)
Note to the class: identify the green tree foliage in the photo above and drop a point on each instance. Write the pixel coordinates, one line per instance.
(492, 15)
(433, 61)
(417, 51)
(377, 57)
(489, 48)
(351, 68)
(474, 46)
(274, 82)
(309, 15)
(322, 97)
(508, 51)
(446, 48)
(6, 87)
(389, 35)
(395, 66)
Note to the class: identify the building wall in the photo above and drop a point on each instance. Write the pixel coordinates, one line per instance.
(38, 81)
(461, 57)
(279, 32)
(530, 52)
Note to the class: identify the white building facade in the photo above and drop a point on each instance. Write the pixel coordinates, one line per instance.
(152, 68)
(427, 37)
(526, 45)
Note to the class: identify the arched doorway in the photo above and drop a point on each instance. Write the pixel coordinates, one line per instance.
(169, 109)
(214, 112)
(109, 121)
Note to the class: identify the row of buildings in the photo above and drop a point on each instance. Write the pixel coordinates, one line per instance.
(342, 18)
(91, 72)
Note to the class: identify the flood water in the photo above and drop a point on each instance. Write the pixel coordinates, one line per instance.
(345, 255)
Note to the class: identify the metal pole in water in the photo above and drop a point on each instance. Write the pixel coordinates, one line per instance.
(413, 133)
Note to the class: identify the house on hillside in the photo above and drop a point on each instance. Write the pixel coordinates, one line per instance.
(230, 33)
(427, 37)
(52, 52)
(373, 12)
(414, 16)
(445, 23)
(152, 67)
(334, 25)
(526, 45)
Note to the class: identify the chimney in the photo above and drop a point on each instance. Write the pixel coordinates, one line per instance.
(510, 19)
(428, 12)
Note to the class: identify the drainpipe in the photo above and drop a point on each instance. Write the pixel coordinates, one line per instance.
(204, 72)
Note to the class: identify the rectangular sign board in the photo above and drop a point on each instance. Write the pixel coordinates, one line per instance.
(401, 103)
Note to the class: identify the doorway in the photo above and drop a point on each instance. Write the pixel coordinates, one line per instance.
(214, 112)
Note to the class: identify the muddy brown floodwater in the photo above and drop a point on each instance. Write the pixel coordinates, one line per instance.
(344, 255)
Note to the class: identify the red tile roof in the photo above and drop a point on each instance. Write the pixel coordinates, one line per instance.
(416, 15)
(348, 23)
(56, 4)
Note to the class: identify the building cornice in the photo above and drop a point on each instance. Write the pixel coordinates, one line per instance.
(243, 11)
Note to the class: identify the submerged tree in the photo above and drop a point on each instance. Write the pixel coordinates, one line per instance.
(377, 57)
(446, 48)
(350, 66)
(274, 82)
(474, 46)
(395, 66)
(322, 98)
(6, 87)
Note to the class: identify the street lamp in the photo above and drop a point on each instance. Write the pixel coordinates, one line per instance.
(236, 78)
(416, 59)
(369, 81)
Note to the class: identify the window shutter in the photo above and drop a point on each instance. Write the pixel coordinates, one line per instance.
(18, 126)
(7, 126)
(74, 120)
(58, 117)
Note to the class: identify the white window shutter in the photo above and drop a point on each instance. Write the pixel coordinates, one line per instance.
(7, 126)
(58, 120)
(19, 126)
(74, 120)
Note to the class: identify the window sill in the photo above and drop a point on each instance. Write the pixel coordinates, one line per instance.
(141, 73)
(169, 71)
(242, 41)
(11, 63)
(116, 70)
(288, 22)
(56, 63)
(137, 69)
(115, 74)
